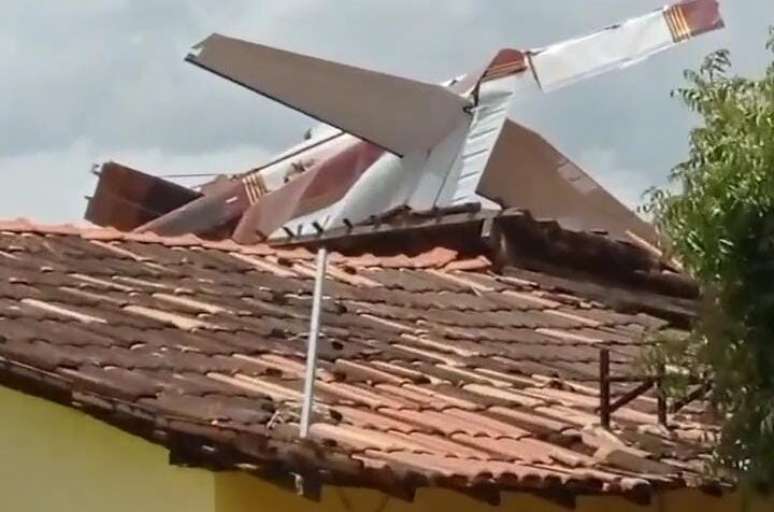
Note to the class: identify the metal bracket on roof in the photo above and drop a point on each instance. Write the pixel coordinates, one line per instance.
(604, 388)
(307, 486)
(698, 393)
(661, 397)
(311, 348)
(606, 408)
(487, 228)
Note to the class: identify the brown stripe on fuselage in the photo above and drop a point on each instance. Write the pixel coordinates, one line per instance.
(254, 186)
(677, 24)
(671, 22)
(319, 187)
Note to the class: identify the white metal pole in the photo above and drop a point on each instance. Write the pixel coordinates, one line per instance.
(311, 349)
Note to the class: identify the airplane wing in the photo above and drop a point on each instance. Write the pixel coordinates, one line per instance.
(527, 172)
(400, 115)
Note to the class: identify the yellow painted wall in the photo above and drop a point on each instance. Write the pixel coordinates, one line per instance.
(57, 459)
(237, 492)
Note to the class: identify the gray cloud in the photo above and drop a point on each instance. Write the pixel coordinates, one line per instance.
(95, 79)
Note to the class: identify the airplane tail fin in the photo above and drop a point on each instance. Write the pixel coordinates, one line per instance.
(126, 199)
(513, 75)
(492, 91)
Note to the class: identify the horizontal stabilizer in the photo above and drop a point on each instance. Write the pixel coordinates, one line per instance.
(126, 198)
(400, 115)
(525, 171)
(618, 46)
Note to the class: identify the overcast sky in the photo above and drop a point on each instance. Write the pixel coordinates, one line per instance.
(83, 81)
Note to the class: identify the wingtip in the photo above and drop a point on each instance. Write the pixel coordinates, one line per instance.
(691, 18)
(196, 49)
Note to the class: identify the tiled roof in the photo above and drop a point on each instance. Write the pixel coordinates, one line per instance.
(434, 369)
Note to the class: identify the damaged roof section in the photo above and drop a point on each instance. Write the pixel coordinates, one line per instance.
(435, 367)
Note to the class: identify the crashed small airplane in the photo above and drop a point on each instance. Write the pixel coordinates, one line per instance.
(389, 144)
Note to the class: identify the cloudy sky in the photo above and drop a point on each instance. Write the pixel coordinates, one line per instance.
(85, 81)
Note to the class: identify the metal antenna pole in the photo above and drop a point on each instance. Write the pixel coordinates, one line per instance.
(311, 348)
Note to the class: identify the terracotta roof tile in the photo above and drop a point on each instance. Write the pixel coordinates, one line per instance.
(433, 421)
(415, 375)
(373, 420)
(529, 420)
(570, 415)
(276, 392)
(420, 400)
(447, 396)
(438, 257)
(361, 395)
(360, 439)
(490, 426)
(359, 372)
(508, 395)
(446, 447)
(477, 263)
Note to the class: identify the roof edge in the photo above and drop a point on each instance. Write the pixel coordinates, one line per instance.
(434, 257)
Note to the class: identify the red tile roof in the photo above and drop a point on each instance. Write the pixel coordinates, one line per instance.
(434, 369)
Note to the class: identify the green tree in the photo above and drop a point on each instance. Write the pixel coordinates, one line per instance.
(718, 217)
